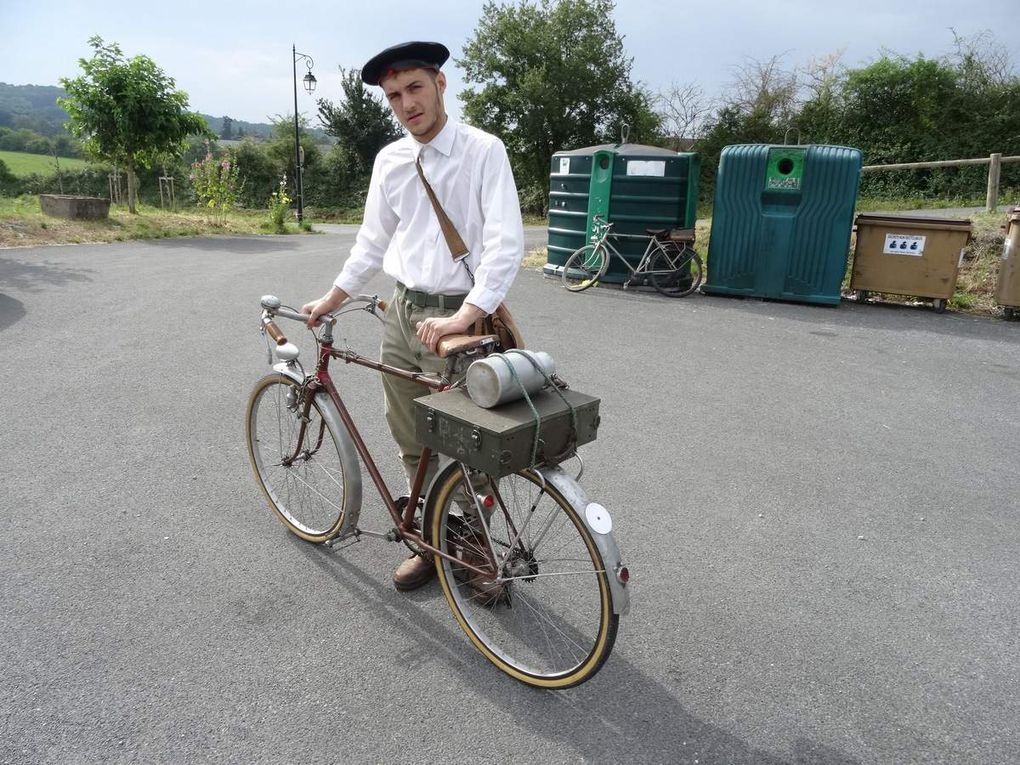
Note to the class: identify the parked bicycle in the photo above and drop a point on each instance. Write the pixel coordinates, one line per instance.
(527, 563)
(669, 262)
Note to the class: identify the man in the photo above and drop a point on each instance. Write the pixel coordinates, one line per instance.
(436, 295)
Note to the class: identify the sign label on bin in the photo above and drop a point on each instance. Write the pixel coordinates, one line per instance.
(904, 244)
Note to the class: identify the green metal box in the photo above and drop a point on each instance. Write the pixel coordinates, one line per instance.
(781, 222)
(637, 187)
(499, 441)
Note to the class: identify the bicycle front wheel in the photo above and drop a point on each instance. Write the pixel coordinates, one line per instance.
(584, 267)
(538, 605)
(675, 271)
(305, 476)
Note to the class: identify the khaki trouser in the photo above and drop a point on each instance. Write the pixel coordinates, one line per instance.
(401, 348)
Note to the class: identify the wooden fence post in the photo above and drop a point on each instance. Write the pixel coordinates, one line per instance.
(992, 198)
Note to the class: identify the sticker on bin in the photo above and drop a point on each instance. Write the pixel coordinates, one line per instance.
(564, 166)
(647, 167)
(904, 244)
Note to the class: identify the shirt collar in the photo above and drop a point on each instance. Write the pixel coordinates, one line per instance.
(443, 142)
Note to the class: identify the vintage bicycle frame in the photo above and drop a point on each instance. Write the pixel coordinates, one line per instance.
(321, 380)
(641, 268)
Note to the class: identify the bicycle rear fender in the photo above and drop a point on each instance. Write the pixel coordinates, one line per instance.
(600, 525)
(352, 466)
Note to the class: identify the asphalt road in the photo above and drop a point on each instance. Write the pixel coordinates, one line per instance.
(818, 506)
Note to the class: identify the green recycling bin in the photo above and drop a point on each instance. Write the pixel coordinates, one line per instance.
(781, 222)
(636, 187)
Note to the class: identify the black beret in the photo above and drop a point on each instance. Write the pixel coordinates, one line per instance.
(409, 55)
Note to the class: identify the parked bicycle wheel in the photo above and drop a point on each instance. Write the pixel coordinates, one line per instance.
(675, 271)
(544, 613)
(584, 267)
(305, 482)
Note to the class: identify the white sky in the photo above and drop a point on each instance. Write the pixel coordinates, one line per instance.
(235, 58)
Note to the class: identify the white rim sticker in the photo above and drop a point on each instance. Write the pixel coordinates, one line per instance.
(598, 518)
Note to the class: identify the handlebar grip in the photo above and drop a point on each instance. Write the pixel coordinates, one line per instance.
(275, 332)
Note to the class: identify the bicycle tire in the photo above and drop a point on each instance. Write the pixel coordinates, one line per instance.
(312, 494)
(675, 271)
(584, 267)
(549, 621)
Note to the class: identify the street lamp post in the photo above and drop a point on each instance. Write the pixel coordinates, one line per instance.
(309, 83)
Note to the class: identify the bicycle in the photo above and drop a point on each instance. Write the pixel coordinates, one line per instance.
(669, 262)
(527, 563)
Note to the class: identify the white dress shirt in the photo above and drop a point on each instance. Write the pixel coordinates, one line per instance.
(469, 171)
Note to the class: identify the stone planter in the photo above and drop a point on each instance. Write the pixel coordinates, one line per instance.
(74, 208)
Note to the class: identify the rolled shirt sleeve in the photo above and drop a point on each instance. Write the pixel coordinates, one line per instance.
(502, 232)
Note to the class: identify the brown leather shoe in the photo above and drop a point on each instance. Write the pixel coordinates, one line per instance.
(413, 573)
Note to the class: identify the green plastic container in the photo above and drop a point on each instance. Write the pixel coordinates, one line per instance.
(636, 187)
(781, 222)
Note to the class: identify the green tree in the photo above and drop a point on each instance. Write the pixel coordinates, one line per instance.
(259, 174)
(901, 109)
(227, 132)
(127, 111)
(280, 149)
(552, 76)
(362, 125)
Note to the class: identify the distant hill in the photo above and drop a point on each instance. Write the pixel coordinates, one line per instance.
(35, 107)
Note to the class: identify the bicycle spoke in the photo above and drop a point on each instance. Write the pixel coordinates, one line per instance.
(544, 610)
(297, 461)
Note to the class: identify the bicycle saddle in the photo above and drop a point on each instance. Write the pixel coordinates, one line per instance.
(682, 235)
(452, 344)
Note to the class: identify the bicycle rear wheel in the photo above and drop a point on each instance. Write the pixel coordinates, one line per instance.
(308, 484)
(545, 615)
(675, 271)
(584, 267)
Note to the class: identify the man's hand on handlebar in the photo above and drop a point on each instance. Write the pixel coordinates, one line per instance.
(326, 304)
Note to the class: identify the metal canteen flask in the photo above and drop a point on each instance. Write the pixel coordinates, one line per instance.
(491, 383)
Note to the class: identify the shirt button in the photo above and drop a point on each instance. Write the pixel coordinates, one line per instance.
(418, 356)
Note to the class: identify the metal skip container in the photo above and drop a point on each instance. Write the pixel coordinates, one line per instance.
(917, 256)
(1007, 294)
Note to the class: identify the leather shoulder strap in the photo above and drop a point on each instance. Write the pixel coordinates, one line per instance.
(457, 247)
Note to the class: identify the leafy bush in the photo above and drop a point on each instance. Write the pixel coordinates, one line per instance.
(215, 183)
(258, 174)
(279, 206)
(8, 181)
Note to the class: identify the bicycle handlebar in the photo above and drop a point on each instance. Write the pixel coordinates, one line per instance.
(274, 307)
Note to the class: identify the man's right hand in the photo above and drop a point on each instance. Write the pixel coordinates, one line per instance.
(326, 304)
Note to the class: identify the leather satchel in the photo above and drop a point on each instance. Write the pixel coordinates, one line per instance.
(500, 322)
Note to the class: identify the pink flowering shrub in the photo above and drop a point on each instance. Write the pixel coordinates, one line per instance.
(216, 183)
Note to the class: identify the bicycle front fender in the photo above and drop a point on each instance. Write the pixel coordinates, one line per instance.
(344, 442)
(598, 521)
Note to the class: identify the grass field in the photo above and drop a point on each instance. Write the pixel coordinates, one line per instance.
(22, 164)
(23, 224)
